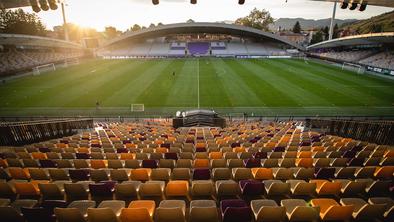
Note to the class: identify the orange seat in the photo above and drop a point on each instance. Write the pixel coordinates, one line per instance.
(3, 163)
(305, 154)
(140, 174)
(83, 150)
(317, 148)
(331, 210)
(215, 155)
(127, 156)
(385, 172)
(200, 145)
(201, 163)
(97, 164)
(39, 156)
(131, 145)
(61, 145)
(177, 188)
(239, 149)
(262, 173)
(19, 173)
(161, 150)
(28, 188)
(304, 162)
(325, 187)
(139, 211)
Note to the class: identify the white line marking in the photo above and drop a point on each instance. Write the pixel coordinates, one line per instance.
(198, 83)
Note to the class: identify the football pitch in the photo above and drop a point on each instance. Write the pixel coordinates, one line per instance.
(268, 87)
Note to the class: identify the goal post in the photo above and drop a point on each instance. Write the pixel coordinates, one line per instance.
(44, 68)
(137, 108)
(353, 67)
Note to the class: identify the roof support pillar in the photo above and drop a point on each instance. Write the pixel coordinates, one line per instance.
(334, 11)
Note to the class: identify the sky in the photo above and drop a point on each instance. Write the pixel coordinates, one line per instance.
(122, 14)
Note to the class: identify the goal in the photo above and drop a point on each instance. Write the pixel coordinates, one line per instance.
(44, 68)
(137, 108)
(353, 67)
(71, 61)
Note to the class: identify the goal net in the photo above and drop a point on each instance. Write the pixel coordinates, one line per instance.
(353, 67)
(44, 68)
(71, 61)
(137, 108)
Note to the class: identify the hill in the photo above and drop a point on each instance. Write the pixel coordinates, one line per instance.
(288, 23)
(380, 23)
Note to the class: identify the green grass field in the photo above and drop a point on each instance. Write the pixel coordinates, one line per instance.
(262, 87)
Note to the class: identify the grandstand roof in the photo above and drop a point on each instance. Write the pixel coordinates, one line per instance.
(29, 40)
(385, 3)
(22, 3)
(201, 27)
(366, 39)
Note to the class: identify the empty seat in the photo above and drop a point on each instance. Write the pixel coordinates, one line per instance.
(37, 214)
(331, 210)
(325, 187)
(203, 211)
(127, 190)
(267, 210)
(364, 210)
(202, 188)
(161, 174)
(171, 211)
(262, 173)
(235, 210)
(151, 188)
(221, 174)
(138, 211)
(107, 211)
(177, 188)
(299, 210)
(251, 187)
(227, 188)
(140, 174)
(302, 188)
(181, 174)
(75, 212)
(276, 187)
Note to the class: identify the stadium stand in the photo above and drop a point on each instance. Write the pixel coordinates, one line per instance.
(248, 171)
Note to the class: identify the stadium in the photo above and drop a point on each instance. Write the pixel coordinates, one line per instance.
(244, 120)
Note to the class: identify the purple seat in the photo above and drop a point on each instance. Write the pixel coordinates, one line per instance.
(110, 183)
(52, 204)
(100, 189)
(235, 210)
(149, 164)
(279, 149)
(252, 163)
(233, 145)
(79, 174)
(171, 156)
(44, 150)
(37, 214)
(349, 154)
(198, 48)
(122, 150)
(48, 163)
(201, 149)
(82, 156)
(356, 162)
(166, 145)
(357, 148)
(260, 155)
(324, 173)
(251, 187)
(95, 145)
(201, 174)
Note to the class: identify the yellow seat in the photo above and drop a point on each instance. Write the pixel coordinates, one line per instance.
(304, 162)
(325, 187)
(98, 164)
(39, 156)
(138, 211)
(331, 210)
(127, 156)
(201, 163)
(141, 174)
(262, 173)
(177, 188)
(215, 155)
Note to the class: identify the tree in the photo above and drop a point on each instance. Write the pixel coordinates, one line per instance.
(20, 22)
(190, 21)
(111, 32)
(258, 19)
(376, 28)
(317, 37)
(335, 32)
(135, 27)
(75, 32)
(160, 24)
(326, 32)
(297, 27)
(152, 25)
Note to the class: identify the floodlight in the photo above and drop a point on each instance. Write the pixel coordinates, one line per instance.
(155, 2)
(362, 7)
(353, 6)
(34, 6)
(241, 2)
(193, 2)
(344, 5)
(44, 5)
